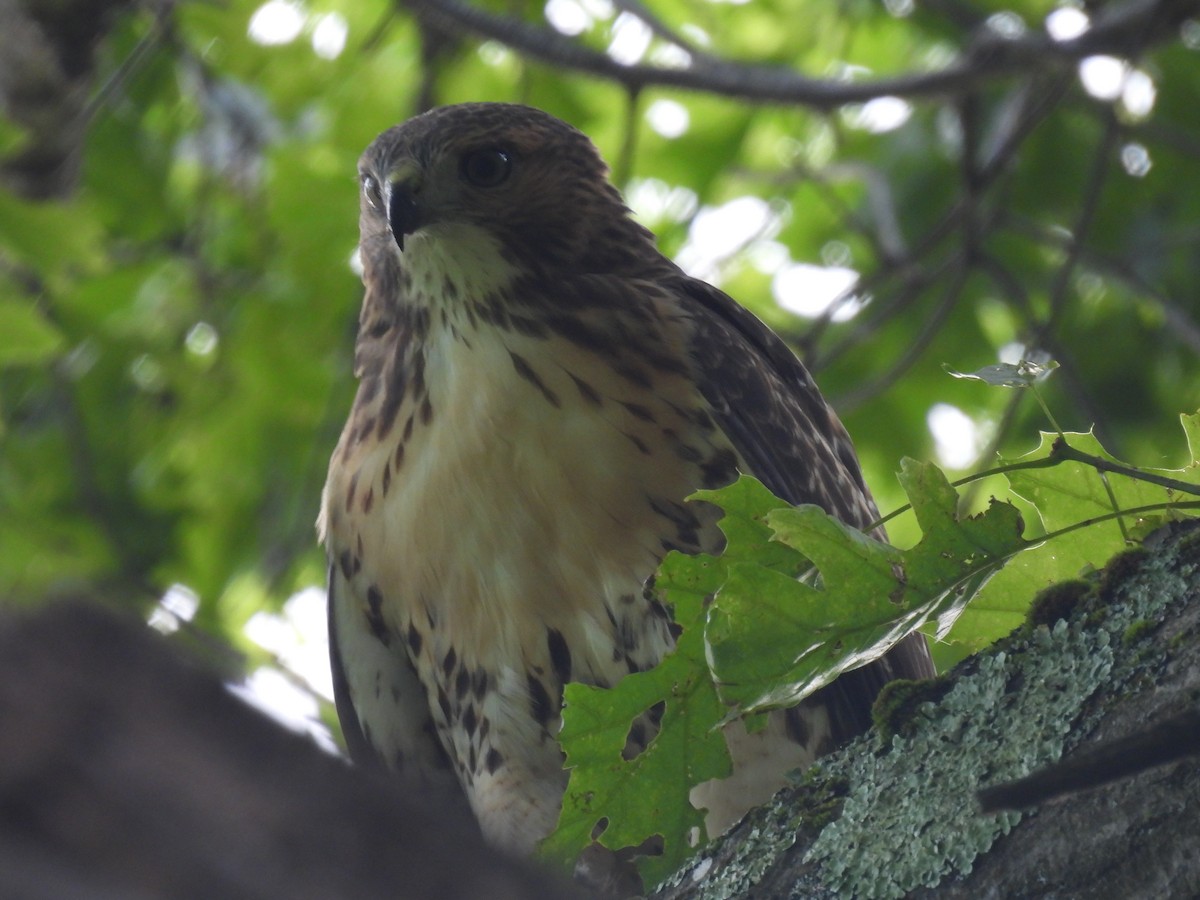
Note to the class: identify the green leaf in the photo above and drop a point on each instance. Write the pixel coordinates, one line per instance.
(774, 640)
(1016, 375)
(26, 337)
(1061, 496)
(1074, 491)
(747, 505)
(647, 795)
(49, 236)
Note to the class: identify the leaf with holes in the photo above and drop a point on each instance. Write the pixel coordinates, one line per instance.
(632, 800)
(648, 795)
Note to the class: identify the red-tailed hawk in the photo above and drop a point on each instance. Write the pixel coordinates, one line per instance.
(540, 391)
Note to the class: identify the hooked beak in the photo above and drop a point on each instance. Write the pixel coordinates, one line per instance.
(404, 212)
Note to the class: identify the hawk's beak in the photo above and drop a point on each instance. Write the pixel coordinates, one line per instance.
(404, 212)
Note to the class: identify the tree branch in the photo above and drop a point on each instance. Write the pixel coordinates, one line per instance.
(1124, 30)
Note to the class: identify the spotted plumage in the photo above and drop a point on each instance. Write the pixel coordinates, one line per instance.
(540, 391)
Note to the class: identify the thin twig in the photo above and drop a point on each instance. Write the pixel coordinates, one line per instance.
(158, 31)
(1061, 452)
(925, 335)
(883, 310)
(1007, 418)
(1108, 517)
(1064, 451)
(624, 167)
(1182, 324)
(1011, 288)
(1090, 202)
(1165, 742)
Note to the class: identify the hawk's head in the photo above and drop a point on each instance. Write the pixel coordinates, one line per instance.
(459, 185)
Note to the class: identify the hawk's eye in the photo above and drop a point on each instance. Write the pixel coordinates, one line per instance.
(371, 191)
(486, 168)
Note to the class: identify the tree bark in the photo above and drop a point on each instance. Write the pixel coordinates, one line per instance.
(126, 772)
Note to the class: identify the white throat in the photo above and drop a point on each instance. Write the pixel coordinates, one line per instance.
(453, 262)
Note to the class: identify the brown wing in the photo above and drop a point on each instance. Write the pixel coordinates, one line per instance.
(768, 406)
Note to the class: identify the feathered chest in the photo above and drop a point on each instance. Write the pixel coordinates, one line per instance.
(520, 463)
(523, 477)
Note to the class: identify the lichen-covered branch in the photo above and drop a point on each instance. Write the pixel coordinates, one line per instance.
(899, 817)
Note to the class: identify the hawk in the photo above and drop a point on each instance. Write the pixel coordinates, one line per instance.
(540, 391)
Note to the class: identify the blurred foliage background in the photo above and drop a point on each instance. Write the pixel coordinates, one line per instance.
(895, 186)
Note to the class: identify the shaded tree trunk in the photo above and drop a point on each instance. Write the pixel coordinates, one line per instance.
(127, 772)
